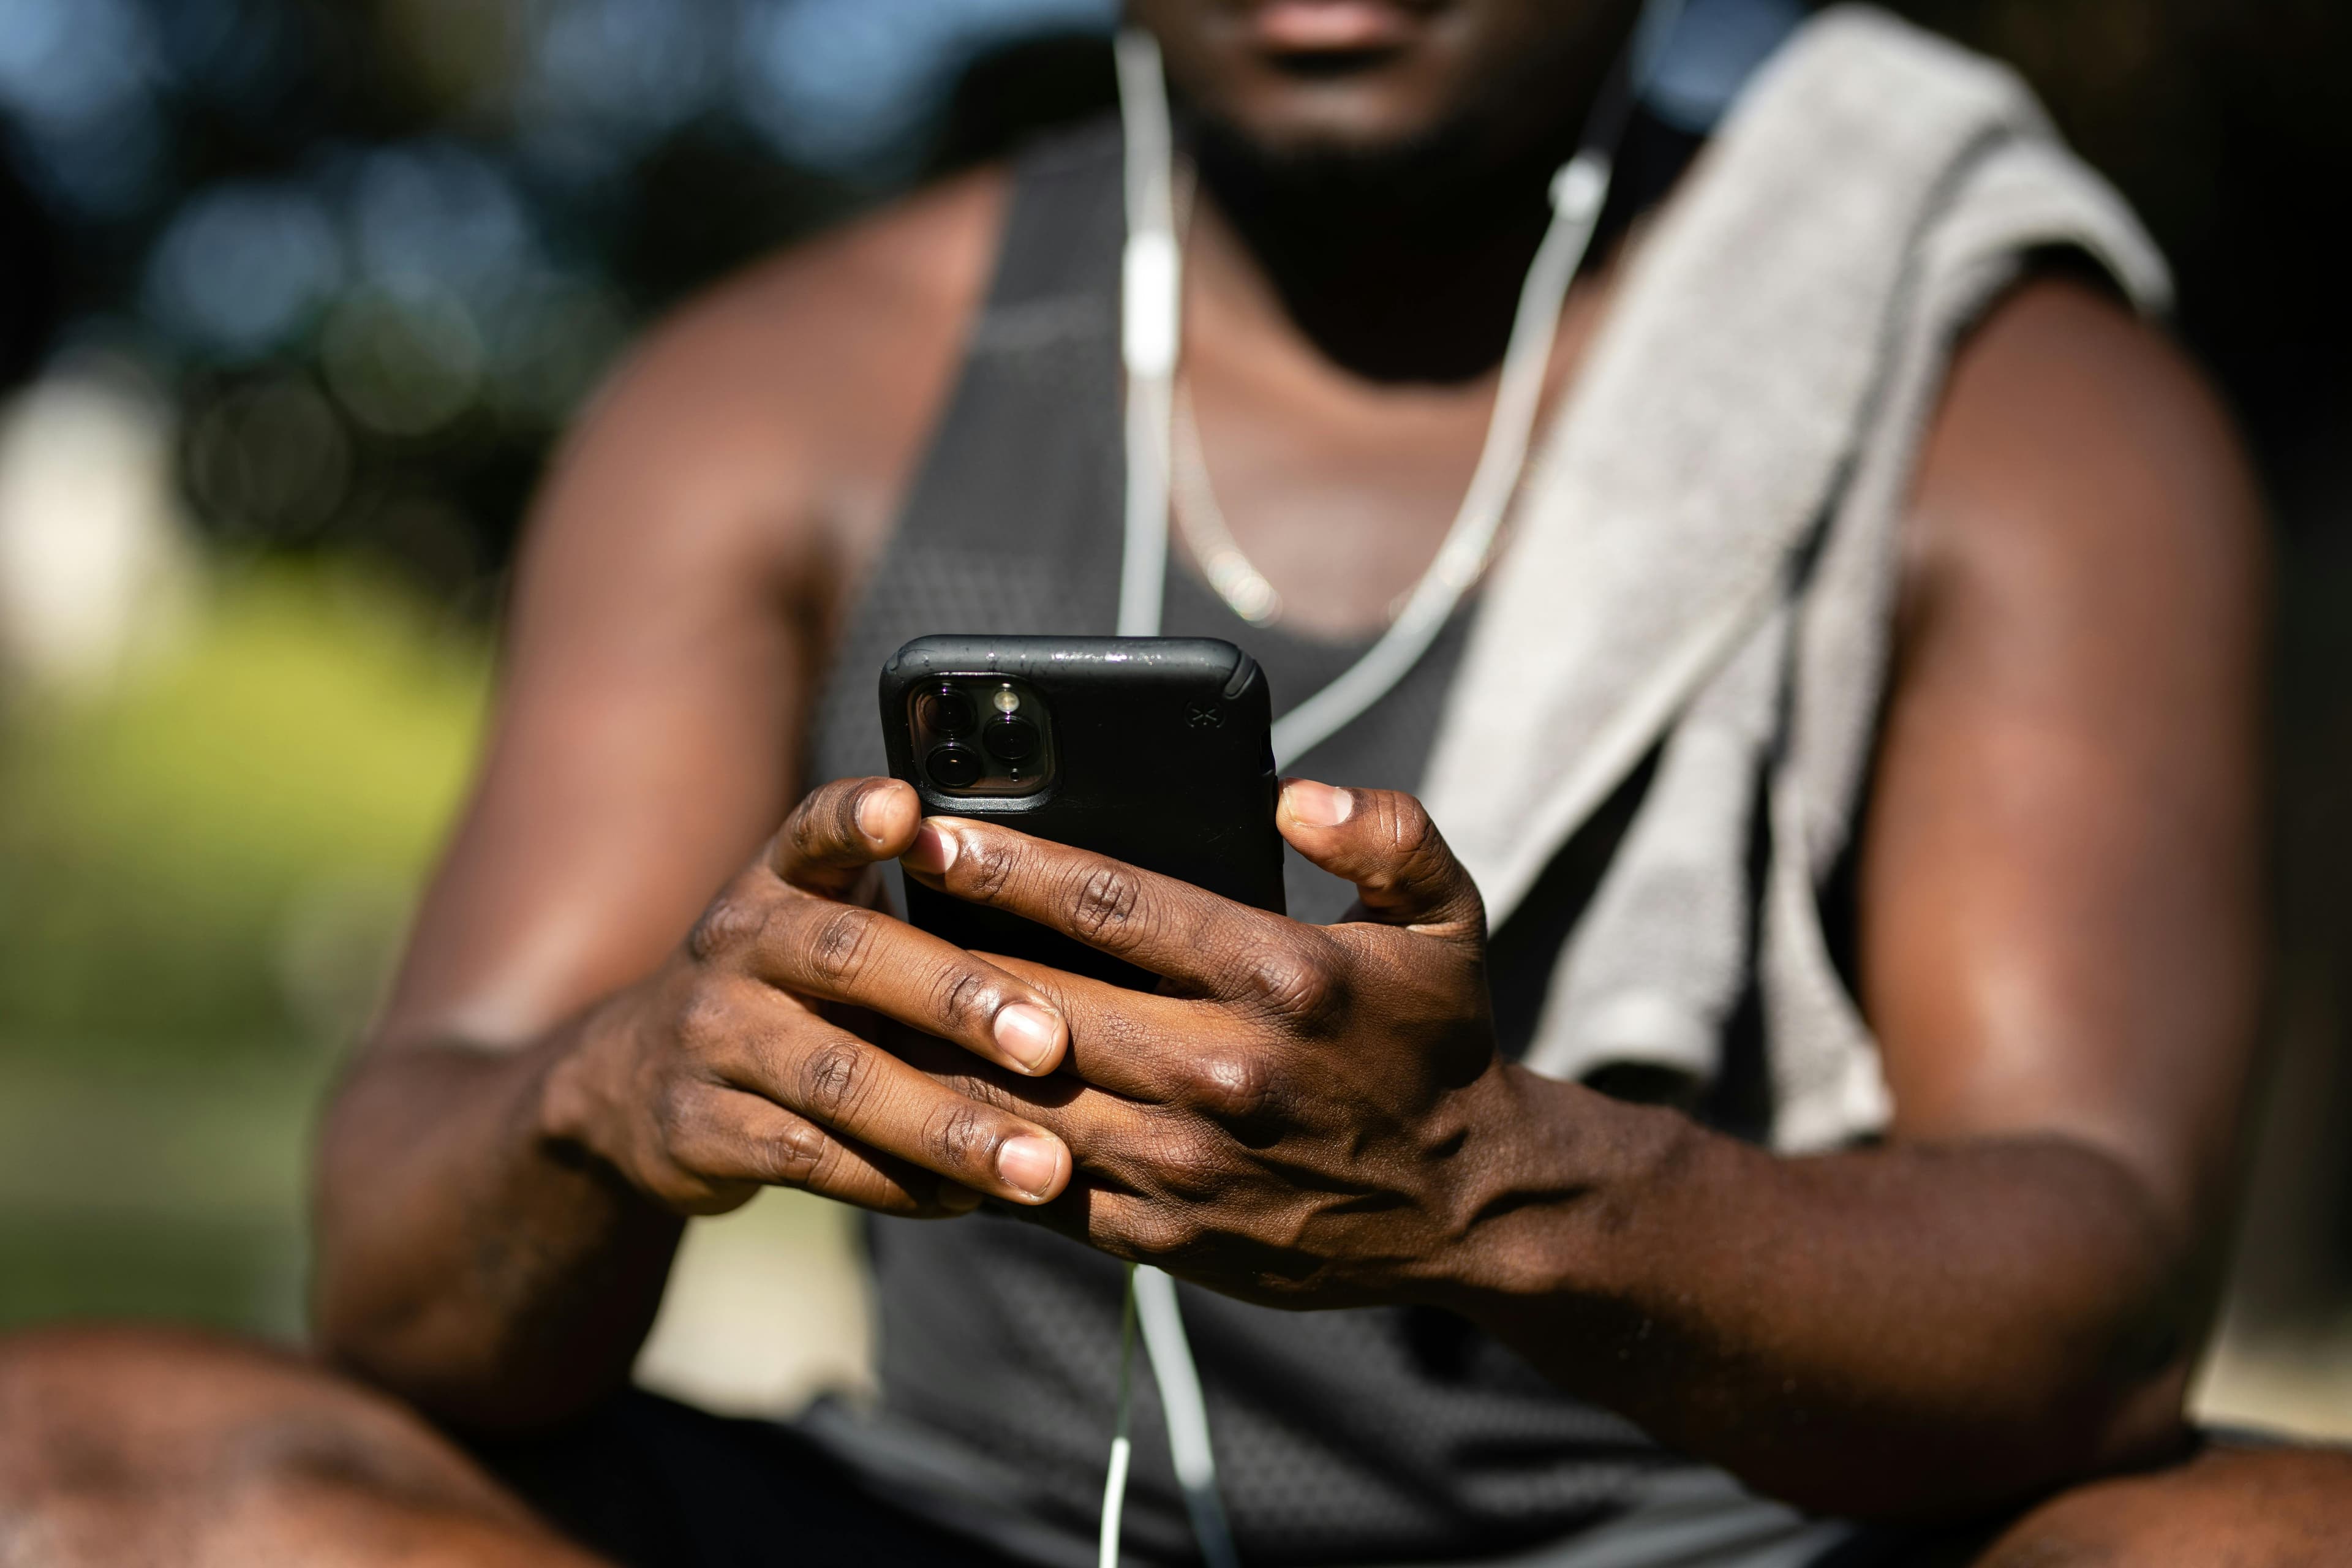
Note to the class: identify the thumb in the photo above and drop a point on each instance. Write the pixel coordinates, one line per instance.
(839, 832)
(1384, 842)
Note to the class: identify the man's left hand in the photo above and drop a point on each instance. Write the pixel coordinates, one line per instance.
(1301, 1113)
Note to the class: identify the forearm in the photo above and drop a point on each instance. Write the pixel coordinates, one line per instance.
(1896, 1332)
(468, 1260)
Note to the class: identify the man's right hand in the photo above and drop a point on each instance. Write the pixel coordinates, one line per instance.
(732, 1068)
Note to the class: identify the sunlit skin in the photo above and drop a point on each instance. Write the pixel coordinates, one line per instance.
(616, 1011)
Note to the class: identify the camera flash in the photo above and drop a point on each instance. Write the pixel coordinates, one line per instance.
(1008, 701)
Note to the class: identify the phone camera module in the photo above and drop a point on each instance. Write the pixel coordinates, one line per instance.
(1011, 740)
(954, 767)
(947, 711)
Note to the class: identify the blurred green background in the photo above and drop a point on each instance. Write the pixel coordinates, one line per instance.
(295, 293)
(207, 865)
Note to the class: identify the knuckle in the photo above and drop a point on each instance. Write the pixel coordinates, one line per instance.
(1411, 828)
(1232, 1085)
(959, 1137)
(1407, 836)
(833, 818)
(839, 942)
(702, 1021)
(1425, 855)
(1188, 1164)
(1103, 904)
(706, 1023)
(964, 998)
(731, 923)
(831, 1170)
(1297, 981)
(796, 1153)
(832, 1079)
(825, 818)
(1164, 1233)
(986, 867)
(1418, 860)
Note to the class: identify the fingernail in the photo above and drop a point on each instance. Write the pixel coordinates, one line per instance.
(1028, 1164)
(1028, 1035)
(1317, 804)
(934, 850)
(956, 1198)
(871, 806)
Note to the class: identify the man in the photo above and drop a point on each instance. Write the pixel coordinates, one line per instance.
(1971, 1334)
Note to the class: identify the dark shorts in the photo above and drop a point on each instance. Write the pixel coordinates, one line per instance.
(651, 1483)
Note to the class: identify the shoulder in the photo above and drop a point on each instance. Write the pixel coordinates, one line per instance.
(787, 400)
(2081, 460)
(833, 306)
(2060, 884)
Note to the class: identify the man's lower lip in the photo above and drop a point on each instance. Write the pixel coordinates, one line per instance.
(1331, 26)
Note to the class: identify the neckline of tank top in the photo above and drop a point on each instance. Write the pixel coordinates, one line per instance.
(1715, 47)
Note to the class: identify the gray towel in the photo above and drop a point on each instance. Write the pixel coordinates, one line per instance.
(1704, 557)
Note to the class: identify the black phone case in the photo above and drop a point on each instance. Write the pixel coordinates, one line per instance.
(1163, 760)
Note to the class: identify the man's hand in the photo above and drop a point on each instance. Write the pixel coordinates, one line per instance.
(1303, 1112)
(732, 1067)
(1318, 1117)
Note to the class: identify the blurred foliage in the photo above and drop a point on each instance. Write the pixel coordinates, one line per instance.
(217, 854)
(204, 870)
(383, 249)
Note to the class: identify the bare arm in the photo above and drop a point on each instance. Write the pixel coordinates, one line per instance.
(2059, 953)
(2060, 946)
(561, 1074)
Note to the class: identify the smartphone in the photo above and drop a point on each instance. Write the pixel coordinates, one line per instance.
(1154, 751)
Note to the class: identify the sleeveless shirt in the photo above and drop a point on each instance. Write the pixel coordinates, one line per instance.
(1362, 1434)
(1404, 1434)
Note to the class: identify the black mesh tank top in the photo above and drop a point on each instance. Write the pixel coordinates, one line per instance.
(1382, 1434)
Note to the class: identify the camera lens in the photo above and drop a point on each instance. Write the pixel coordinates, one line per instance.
(954, 767)
(1011, 740)
(949, 712)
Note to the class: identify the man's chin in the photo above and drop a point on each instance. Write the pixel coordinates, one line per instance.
(1398, 110)
(1365, 112)
(1350, 142)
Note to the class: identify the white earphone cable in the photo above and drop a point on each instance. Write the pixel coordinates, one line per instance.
(1115, 1481)
(1577, 193)
(1187, 1414)
(1151, 299)
(1151, 337)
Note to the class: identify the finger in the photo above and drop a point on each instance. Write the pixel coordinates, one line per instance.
(860, 957)
(1135, 1044)
(1384, 842)
(731, 1139)
(1206, 943)
(1111, 1137)
(858, 1092)
(1154, 1085)
(840, 830)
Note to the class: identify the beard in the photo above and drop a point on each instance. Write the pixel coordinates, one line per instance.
(1472, 173)
(1494, 150)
